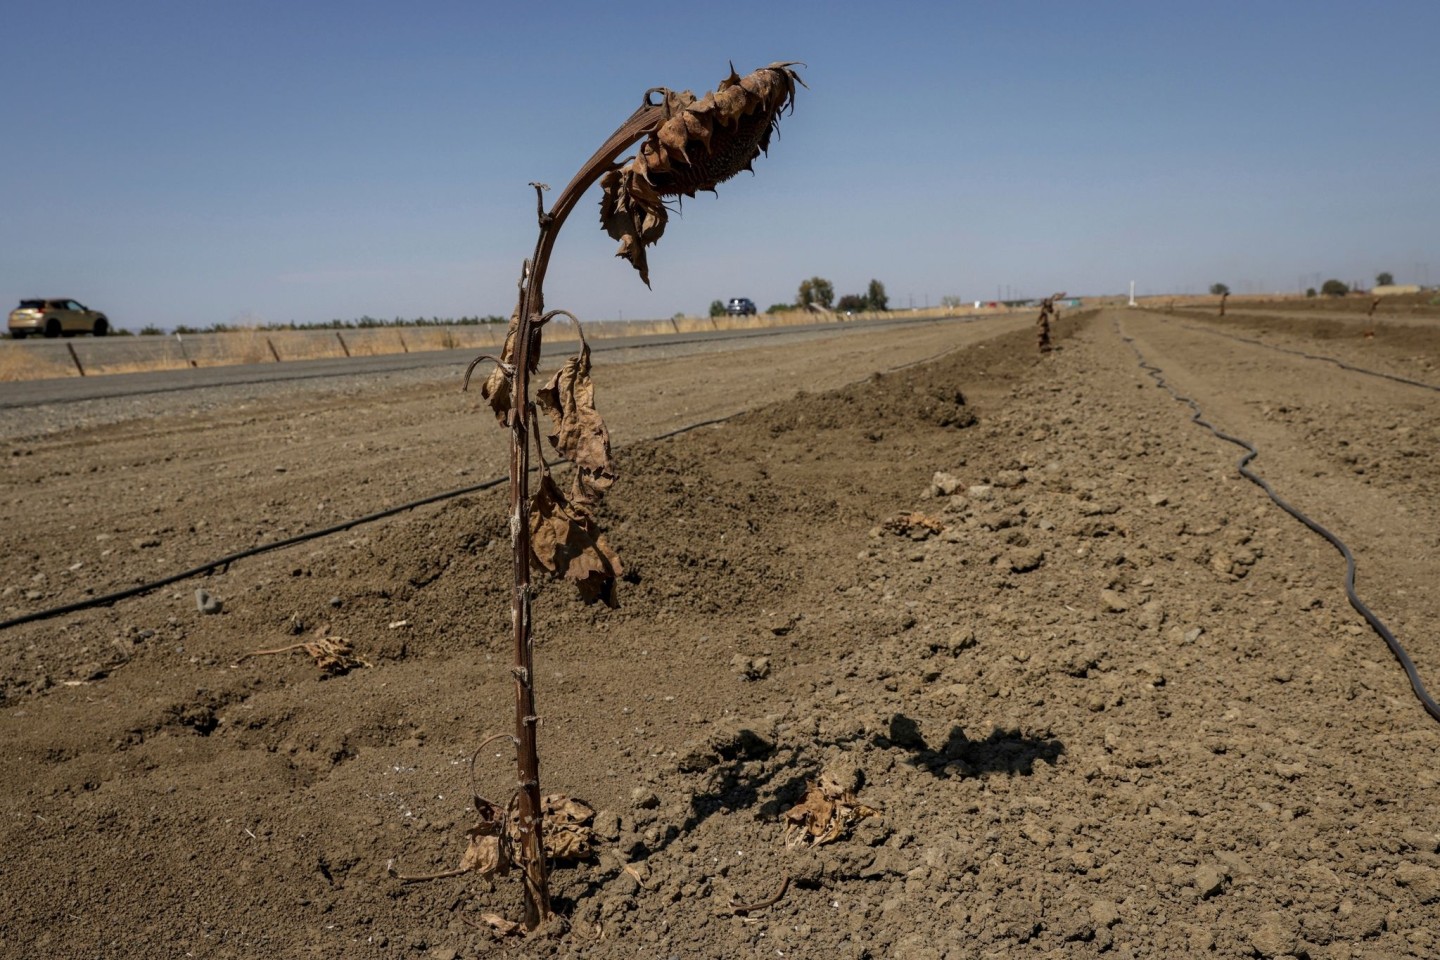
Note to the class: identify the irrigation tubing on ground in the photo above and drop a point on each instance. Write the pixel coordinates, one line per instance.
(1314, 356)
(1251, 452)
(224, 562)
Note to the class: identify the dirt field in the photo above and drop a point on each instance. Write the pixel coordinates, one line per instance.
(1108, 699)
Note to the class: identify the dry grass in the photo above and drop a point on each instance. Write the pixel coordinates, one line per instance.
(18, 365)
(244, 346)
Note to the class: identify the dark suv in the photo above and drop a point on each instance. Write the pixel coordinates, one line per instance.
(741, 307)
(53, 318)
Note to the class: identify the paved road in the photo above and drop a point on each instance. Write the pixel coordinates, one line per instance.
(38, 393)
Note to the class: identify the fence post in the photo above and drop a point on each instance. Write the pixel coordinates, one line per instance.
(181, 340)
(402, 341)
(76, 357)
(272, 349)
(342, 343)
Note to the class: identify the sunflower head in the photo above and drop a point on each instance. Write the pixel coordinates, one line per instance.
(699, 145)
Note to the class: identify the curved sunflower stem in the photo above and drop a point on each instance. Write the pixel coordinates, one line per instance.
(746, 110)
(529, 840)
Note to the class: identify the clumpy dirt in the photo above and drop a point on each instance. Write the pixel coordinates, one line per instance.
(1108, 700)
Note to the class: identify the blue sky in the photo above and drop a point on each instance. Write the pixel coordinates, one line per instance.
(192, 162)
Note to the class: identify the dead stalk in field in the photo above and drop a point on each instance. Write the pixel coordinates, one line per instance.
(1048, 313)
(686, 145)
(1223, 297)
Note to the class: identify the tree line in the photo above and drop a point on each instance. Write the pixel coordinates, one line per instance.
(819, 292)
(1330, 288)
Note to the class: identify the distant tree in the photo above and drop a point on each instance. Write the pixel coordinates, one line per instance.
(717, 308)
(1384, 278)
(1219, 289)
(875, 296)
(950, 302)
(780, 308)
(824, 292)
(1310, 291)
(817, 291)
(1334, 288)
(853, 302)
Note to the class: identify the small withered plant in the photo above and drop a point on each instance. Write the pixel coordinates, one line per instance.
(1048, 314)
(686, 145)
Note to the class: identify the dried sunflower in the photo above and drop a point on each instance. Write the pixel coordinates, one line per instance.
(700, 144)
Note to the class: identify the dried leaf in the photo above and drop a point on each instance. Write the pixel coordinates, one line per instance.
(505, 928)
(580, 435)
(826, 814)
(565, 826)
(485, 853)
(496, 387)
(557, 808)
(568, 836)
(334, 655)
(633, 213)
(701, 144)
(488, 850)
(916, 526)
(566, 543)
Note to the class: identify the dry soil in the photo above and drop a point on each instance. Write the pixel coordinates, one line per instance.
(1107, 698)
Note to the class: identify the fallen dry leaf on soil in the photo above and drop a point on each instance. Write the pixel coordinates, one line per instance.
(566, 829)
(568, 836)
(333, 655)
(500, 925)
(916, 526)
(827, 813)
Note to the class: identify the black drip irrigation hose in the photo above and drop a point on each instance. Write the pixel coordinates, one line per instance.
(223, 563)
(1314, 356)
(1251, 452)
